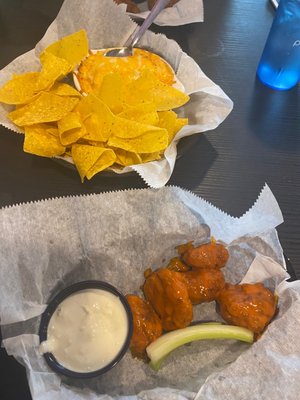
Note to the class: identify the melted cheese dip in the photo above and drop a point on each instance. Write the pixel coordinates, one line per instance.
(95, 66)
(87, 330)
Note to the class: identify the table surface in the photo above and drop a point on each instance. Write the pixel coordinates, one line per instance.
(258, 143)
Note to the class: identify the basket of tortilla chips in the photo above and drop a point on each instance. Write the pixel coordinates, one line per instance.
(122, 120)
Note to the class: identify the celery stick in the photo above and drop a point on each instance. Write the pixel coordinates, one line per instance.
(162, 346)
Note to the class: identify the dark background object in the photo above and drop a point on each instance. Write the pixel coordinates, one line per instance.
(258, 143)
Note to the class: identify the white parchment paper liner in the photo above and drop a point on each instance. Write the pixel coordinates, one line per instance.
(114, 236)
(182, 13)
(108, 26)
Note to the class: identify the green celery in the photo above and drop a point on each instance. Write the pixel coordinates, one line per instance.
(161, 347)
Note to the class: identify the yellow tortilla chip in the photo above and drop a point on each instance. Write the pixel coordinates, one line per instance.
(111, 92)
(70, 121)
(125, 128)
(126, 158)
(169, 121)
(97, 118)
(148, 88)
(51, 128)
(93, 143)
(41, 140)
(90, 160)
(72, 48)
(150, 141)
(63, 89)
(47, 107)
(20, 89)
(70, 128)
(24, 88)
(180, 123)
(72, 135)
(147, 157)
(144, 113)
(53, 68)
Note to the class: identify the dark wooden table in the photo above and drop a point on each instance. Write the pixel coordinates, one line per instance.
(258, 143)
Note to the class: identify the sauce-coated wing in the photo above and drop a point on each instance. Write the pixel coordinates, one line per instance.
(203, 284)
(176, 264)
(146, 325)
(167, 292)
(208, 255)
(251, 306)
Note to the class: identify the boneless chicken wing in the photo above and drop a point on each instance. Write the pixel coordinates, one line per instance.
(208, 255)
(203, 284)
(176, 264)
(202, 275)
(167, 292)
(146, 325)
(251, 306)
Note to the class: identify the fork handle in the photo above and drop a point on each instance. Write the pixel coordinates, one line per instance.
(158, 7)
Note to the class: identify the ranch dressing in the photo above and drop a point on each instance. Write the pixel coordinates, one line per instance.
(87, 330)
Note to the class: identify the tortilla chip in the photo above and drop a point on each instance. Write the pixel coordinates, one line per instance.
(155, 139)
(97, 118)
(126, 158)
(144, 113)
(70, 128)
(72, 135)
(53, 69)
(72, 48)
(169, 121)
(148, 157)
(70, 121)
(63, 89)
(111, 92)
(93, 143)
(20, 89)
(125, 128)
(148, 88)
(41, 140)
(51, 128)
(180, 123)
(90, 160)
(47, 107)
(24, 88)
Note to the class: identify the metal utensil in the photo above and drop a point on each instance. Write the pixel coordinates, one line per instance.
(135, 37)
(274, 3)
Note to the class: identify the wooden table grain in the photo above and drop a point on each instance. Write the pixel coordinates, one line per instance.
(258, 143)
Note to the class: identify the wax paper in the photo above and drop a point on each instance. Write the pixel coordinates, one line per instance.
(48, 245)
(183, 12)
(107, 25)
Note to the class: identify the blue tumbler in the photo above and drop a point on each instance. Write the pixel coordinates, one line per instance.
(279, 66)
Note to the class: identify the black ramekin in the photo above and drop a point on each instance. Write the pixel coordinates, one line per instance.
(52, 306)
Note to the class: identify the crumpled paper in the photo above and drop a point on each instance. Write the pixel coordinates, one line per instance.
(107, 25)
(182, 13)
(115, 236)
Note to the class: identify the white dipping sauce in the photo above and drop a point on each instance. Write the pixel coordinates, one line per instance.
(87, 330)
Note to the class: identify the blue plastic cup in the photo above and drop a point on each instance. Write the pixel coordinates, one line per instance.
(279, 66)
